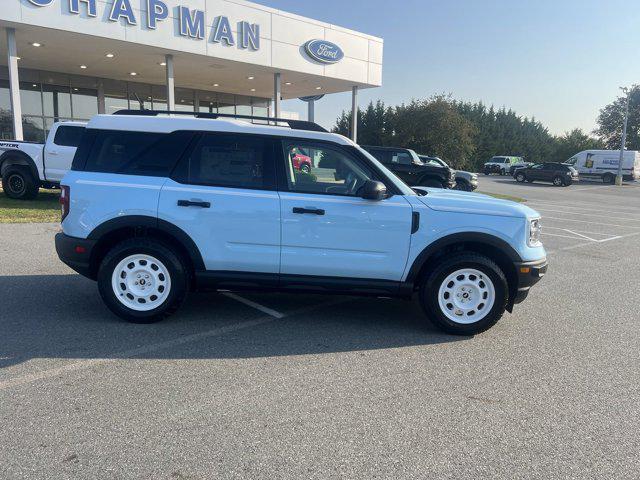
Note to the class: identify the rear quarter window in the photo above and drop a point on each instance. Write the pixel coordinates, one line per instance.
(132, 153)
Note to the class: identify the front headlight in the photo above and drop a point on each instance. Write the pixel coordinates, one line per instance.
(535, 231)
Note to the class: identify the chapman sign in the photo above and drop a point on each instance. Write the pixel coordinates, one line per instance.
(191, 22)
(323, 51)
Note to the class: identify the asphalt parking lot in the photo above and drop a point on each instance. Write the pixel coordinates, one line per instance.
(281, 386)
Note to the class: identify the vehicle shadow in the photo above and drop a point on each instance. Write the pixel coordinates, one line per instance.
(63, 317)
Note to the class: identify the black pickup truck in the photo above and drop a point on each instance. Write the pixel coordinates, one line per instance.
(406, 164)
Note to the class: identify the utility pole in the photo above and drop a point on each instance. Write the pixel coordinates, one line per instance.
(624, 136)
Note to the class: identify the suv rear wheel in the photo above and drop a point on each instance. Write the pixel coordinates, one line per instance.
(18, 183)
(142, 281)
(520, 177)
(465, 294)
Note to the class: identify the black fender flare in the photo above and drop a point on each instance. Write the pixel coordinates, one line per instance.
(144, 222)
(22, 157)
(457, 238)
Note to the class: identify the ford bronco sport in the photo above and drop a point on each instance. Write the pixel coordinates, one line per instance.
(156, 206)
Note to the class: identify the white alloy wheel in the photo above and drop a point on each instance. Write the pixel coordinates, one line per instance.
(141, 282)
(466, 296)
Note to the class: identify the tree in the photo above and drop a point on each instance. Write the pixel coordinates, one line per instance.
(573, 142)
(372, 124)
(435, 127)
(611, 119)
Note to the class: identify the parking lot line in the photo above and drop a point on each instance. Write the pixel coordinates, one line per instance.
(251, 303)
(587, 208)
(627, 219)
(145, 349)
(586, 244)
(592, 223)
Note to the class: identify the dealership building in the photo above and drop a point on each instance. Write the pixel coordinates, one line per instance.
(71, 59)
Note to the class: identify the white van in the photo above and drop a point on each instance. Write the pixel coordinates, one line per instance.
(603, 164)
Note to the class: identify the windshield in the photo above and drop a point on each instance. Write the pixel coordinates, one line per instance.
(434, 161)
(403, 187)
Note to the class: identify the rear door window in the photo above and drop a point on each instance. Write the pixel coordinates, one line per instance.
(229, 160)
(68, 136)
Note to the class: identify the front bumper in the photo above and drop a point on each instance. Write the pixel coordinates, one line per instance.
(529, 273)
(76, 253)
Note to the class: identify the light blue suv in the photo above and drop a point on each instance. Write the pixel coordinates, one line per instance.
(156, 206)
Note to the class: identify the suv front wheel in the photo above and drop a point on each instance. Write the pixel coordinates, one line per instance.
(142, 280)
(465, 294)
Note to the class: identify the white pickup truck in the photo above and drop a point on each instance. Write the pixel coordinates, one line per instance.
(27, 166)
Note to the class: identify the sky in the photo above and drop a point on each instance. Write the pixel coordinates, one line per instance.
(558, 61)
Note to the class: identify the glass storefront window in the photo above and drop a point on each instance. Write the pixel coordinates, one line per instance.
(260, 107)
(6, 122)
(159, 97)
(84, 97)
(33, 129)
(243, 105)
(85, 102)
(47, 97)
(31, 98)
(139, 96)
(56, 101)
(226, 103)
(115, 96)
(184, 100)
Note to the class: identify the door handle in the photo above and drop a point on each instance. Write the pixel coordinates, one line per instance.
(191, 203)
(53, 152)
(312, 211)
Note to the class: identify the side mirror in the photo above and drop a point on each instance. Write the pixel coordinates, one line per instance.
(373, 190)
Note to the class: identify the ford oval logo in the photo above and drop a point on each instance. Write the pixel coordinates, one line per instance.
(323, 51)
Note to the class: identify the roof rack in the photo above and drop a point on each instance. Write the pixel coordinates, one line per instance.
(293, 124)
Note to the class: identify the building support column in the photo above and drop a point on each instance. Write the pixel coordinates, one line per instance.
(14, 84)
(277, 94)
(196, 101)
(311, 111)
(171, 84)
(354, 114)
(102, 103)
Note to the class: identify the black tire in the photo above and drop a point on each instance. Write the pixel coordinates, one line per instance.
(179, 276)
(608, 178)
(429, 292)
(18, 183)
(463, 186)
(487, 171)
(520, 177)
(558, 181)
(431, 183)
(502, 172)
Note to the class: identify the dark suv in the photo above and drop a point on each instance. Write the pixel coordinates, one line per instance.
(559, 174)
(406, 164)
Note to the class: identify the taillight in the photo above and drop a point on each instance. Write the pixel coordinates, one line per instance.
(65, 200)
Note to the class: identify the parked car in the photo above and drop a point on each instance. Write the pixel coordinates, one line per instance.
(465, 181)
(301, 162)
(406, 164)
(603, 164)
(157, 206)
(560, 174)
(27, 166)
(516, 166)
(500, 164)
